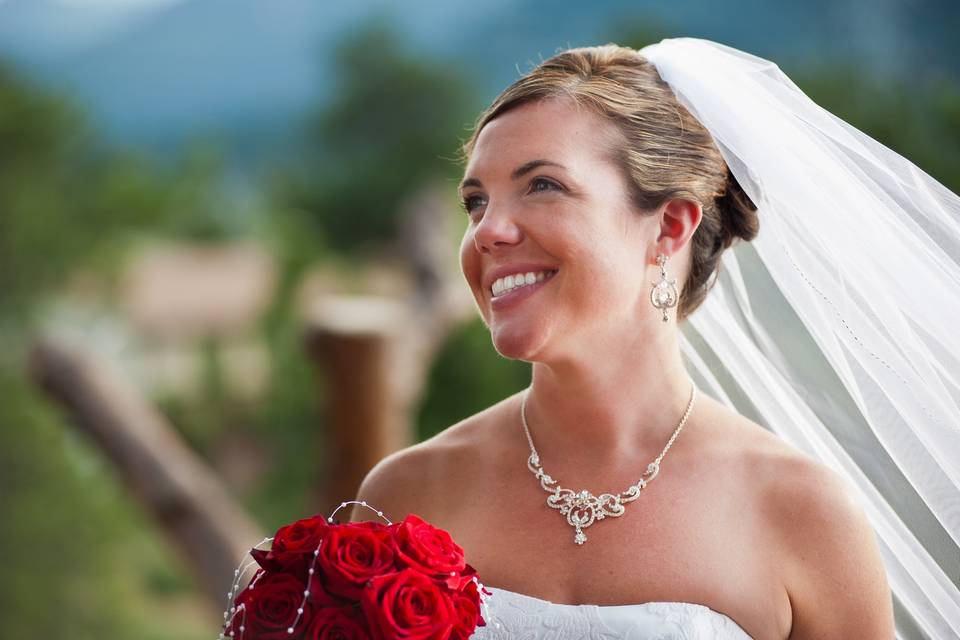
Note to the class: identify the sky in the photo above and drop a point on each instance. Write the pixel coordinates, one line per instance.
(65, 25)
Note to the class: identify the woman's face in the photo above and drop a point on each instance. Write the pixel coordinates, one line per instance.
(543, 195)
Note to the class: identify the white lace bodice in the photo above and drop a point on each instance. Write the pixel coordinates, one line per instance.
(515, 616)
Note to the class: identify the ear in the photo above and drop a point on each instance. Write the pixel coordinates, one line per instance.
(678, 221)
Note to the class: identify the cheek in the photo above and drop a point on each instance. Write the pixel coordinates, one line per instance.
(469, 260)
(587, 252)
(603, 272)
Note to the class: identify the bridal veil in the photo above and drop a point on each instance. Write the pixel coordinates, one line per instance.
(838, 326)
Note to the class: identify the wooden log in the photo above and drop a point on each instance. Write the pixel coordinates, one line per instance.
(354, 337)
(373, 354)
(209, 529)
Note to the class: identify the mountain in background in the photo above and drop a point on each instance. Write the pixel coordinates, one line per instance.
(245, 73)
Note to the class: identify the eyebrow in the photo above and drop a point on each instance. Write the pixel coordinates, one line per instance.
(519, 172)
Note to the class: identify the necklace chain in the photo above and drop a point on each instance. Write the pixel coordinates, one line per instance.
(582, 508)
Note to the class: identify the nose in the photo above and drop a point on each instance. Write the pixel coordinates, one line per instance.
(496, 229)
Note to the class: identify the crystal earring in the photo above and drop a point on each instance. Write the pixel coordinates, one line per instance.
(664, 293)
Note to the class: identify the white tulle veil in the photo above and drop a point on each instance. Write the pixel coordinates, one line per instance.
(838, 326)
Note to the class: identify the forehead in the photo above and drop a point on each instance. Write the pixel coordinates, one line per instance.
(558, 130)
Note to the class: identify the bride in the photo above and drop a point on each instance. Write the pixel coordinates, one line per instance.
(614, 497)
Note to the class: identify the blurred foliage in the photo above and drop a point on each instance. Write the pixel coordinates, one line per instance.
(467, 377)
(81, 559)
(66, 203)
(395, 122)
(290, 422)
(81, 562)
(918, 117)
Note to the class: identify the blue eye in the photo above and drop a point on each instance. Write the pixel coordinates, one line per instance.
(468, 203)
(544, 181)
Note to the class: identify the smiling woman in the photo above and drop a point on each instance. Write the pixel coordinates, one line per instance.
(597, 186)
(615, 204)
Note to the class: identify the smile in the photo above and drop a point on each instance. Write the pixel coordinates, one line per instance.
(505, 285)
(513, 289)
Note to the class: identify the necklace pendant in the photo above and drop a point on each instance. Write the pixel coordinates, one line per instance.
(582, 509)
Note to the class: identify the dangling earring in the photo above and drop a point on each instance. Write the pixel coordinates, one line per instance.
(664, 293)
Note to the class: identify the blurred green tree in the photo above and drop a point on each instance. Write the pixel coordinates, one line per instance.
(917, 116)
(394, 123)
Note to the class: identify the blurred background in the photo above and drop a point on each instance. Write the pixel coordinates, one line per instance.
(228, 275)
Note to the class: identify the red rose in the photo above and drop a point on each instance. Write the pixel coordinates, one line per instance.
(338, 623)
(293, 547)
(302, 536)
(466, 576)
(408, 605)
(267, 608)
(422, 546)
(352, 554)
(466, 604)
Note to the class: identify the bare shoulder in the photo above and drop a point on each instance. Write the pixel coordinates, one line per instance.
(394, 484)
(418, 478)
(815, 530)
(827, 549)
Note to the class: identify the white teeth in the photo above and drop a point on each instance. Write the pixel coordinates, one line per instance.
(504, 285)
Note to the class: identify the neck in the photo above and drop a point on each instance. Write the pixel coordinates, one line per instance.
(618, 412)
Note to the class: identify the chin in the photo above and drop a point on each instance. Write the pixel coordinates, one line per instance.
(517, 346)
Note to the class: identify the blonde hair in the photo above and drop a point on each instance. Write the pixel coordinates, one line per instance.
(664, 152)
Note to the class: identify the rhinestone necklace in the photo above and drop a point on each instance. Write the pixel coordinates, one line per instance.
(583, 508)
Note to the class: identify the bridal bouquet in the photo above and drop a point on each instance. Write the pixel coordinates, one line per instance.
(323, 580)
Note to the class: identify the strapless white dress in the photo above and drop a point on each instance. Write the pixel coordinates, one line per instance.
(515, 616)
